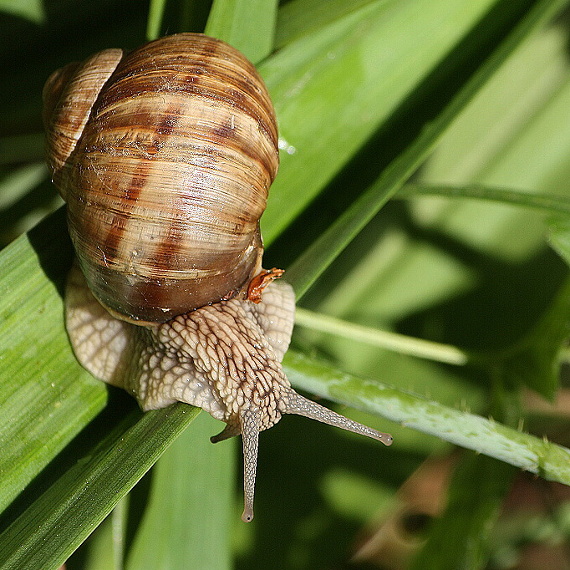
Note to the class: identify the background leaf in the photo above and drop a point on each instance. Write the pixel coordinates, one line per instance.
(30, 9)
(248, 25)
(192, 486)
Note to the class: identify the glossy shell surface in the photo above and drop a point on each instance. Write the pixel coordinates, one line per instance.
(164, 157)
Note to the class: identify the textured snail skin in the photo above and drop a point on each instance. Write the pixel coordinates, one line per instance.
(214, 338)
(224, 358)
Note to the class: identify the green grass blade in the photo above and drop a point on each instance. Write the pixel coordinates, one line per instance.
(31, 9)
(25, 199)
(155, 15)
(535, 360)
(322, 83)
(312, 263)
(342, 69)
(302, 17)
(549, 203)
(248, 25)
(60, 518)
(44, 396)
(191, 504)
(20, 181)
(322, 252)
(105, 547)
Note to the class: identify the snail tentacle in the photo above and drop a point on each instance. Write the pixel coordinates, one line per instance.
(250, 426)
(294, 403)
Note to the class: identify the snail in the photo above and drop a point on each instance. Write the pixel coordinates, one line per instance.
(164, 157)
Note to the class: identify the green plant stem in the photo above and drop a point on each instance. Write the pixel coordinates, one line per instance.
(546, 459)
(155, 14)
(383, 339)
(549, 202)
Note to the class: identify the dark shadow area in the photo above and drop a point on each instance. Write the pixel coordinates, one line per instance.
(72, 31)
(188, 16)
(52, 245)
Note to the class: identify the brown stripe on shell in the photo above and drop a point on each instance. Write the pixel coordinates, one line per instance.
(225, 131)
(172, 82)
(265, 122)
(119, 224)
(226, 136)
(171, 119)
(219, 63)
(208, 47)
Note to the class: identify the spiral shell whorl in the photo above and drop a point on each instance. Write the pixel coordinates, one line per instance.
(169, 177)
(69, 95)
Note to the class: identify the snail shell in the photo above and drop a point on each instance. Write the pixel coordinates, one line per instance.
(164, 157)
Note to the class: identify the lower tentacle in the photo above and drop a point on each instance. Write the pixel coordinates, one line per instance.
(231, 430)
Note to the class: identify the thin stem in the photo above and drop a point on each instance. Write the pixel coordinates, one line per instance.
(156, 12)
(119, 520)
(548, 202)
(383, 339)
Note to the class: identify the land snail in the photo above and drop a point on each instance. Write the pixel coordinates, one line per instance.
(164, 157)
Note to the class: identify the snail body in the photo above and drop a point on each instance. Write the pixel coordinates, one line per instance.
(165, 157)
